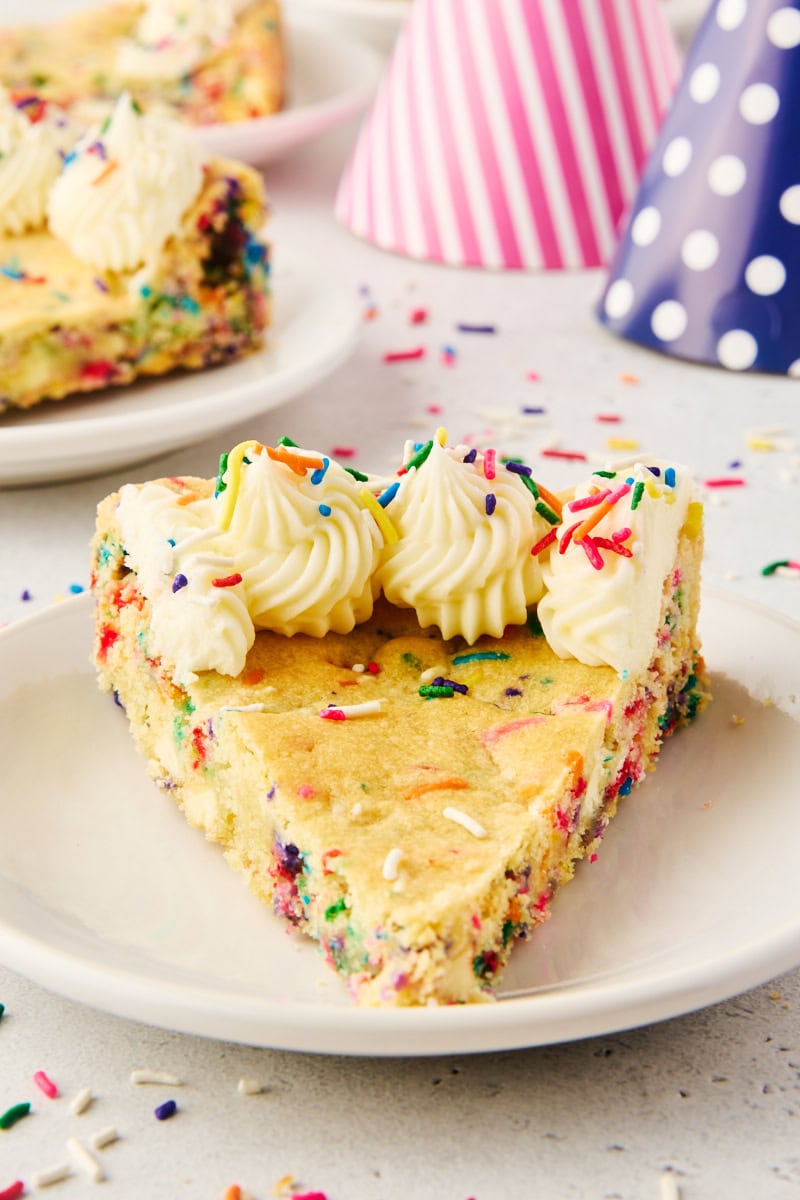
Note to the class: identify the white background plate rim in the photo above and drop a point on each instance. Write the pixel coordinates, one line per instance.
(324, 324)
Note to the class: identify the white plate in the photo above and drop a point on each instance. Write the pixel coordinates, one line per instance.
(107, 896)
(315, 327)
(330, 78)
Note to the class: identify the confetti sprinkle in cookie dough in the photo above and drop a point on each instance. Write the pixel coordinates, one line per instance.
(145, 258)
(196, 61)
(405, 717)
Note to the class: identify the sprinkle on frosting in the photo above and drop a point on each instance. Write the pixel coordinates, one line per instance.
(34, 137)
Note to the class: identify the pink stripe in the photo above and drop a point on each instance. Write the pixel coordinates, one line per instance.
(562, 134)
(370, 183)
(433, 245)
(530, 170)
(607, 152)
(646, 61)
(621, 74)
(503, 220)
(458, 193)
(396, 206)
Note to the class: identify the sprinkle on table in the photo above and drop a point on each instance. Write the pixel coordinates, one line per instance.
(467, 327)
(724, 481)
(620, 443)
(163, 1112)
(393, 356)
(104, 1137)
(448, 355)
(85, 1160)
(418, 316)
(144, 1075)
(45, 1084)
(81, 1101)
(13, 1191)
(567, 455)
(14, 1114)
(774, 567)
(608, 418)
(248, 1086)
(51, 1175)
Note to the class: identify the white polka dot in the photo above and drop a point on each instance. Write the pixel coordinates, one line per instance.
(790, 204)
(731, 13)
(619, 298)
(669, 320)
(700, 250)
(794, 369)
(704, 82)
(765, 275)
(646, 226)
(737, 349)
(758, 103)
(677, 156)
(783, 28)
(726, 175)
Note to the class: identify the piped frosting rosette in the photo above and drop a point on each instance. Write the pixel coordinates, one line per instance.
(304, 542)
(173, 36)
(34, 139)
(125, 187)
(465, 528)
(286, 544)
(605, 571)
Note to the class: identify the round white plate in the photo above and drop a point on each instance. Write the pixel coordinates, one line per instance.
(315, 327)
(109, 897)
(330, 78)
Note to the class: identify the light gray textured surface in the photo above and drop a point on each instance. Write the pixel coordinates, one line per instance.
(714, 1095)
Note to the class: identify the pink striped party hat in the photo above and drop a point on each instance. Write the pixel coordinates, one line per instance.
(511, 133)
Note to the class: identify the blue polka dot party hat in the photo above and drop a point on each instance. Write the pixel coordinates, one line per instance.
(708, 268)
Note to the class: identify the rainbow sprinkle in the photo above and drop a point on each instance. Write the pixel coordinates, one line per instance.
(14, 1114)
(393, 356)
(45, 1084)
(390, 534)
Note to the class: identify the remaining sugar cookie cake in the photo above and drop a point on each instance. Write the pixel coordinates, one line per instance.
(200, 61)
(124, 253)
(405, 707)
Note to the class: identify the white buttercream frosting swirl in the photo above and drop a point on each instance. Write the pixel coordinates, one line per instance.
(307, 550)
(173, 36)
(34, 138)
(610, 616)
(125, 188)
(298, 556)
(468, 571)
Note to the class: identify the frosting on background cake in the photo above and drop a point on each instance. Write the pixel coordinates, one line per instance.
(412, 801)
(133, 257)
